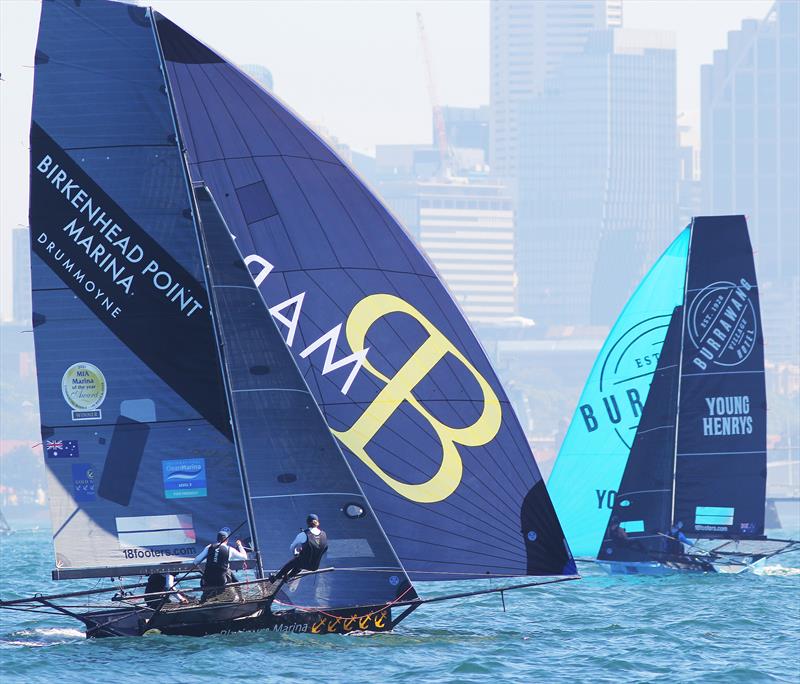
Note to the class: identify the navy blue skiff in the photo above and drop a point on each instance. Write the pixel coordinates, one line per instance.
(230, 328)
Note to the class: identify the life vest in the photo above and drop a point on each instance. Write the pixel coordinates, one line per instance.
(314, 547)
(217, 565)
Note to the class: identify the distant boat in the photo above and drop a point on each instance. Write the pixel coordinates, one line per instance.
(230, 328)
(669, 437)
(5, 528)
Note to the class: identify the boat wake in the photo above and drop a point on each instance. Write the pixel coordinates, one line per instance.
(777, 571)
(42, 636)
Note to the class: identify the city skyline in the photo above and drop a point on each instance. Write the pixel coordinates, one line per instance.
(362, 112)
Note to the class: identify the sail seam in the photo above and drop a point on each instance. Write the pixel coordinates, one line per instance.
(285, 496)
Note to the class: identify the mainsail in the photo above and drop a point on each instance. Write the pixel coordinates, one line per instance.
(697, 455)
(399, 375)
(141, 462)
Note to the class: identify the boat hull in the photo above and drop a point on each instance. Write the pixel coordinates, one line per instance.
(656, 568)
(234, 617)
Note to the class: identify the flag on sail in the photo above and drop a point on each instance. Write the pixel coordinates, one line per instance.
(67, 448)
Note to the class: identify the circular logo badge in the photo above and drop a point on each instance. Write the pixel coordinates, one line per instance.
(83, 386)
(722, 323)
(394, 580)
(624, 380)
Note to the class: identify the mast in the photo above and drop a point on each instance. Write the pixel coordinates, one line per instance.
(680, 374)
(201, 244)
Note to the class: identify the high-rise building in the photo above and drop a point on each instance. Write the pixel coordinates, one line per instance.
(528, 41)
(467, 230)
(597, 189)
(21, 274)
(750, 140)
(464, 224)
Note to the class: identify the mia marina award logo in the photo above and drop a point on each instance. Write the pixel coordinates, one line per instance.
(722, 324)
(84, 389)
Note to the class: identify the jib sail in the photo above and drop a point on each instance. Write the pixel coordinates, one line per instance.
(592, 459)
(642, 511)
(400, 377)
(721, 455)
(292, 463)
(141, 463)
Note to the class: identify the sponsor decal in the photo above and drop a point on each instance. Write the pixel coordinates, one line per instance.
(137, 554)
(175, 530)
(84, 389)
(57, 448)
(722, 324)
(624, 379)
(397, 390)
(728, 415)
(83, 482)
(747, 527)
(122, 274)
(400, 389)
(184, 478)
(98, 248)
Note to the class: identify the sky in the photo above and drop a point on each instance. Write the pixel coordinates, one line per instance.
(354, 67)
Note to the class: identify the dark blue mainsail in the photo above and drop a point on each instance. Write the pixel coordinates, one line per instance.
(142, 467)
(292, 463)
(721, 455)
(400, 377)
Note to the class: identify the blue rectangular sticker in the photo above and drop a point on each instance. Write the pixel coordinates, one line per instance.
(184, 478)
(83, 482)
(713, 515)
(57, 448)
(632, 525)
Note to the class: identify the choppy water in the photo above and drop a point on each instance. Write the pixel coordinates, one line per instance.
(599, 629)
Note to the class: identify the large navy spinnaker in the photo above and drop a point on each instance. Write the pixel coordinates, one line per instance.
(171, 402)
(694, 464)
(393, 364)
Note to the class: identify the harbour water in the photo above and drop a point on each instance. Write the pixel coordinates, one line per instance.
(600, 629)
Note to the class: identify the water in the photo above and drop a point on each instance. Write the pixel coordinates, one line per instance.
(601, 629)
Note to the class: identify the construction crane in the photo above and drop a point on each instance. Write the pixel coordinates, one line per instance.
(438, 116)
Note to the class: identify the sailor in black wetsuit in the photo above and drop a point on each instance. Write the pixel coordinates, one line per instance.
(308, 548)
(218, 557)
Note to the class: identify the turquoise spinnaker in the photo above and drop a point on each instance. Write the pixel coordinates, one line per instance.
(592, 458)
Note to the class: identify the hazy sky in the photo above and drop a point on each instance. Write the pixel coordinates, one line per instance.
(355, 67)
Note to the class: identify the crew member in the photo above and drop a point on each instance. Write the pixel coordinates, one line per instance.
(218, 557)
(676, 540)
(159, 584)
(616, 531)
(307, 548)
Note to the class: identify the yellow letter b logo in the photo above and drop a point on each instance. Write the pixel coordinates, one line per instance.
(399, 389)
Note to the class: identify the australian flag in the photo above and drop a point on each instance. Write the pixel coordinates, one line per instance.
(57, 448)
